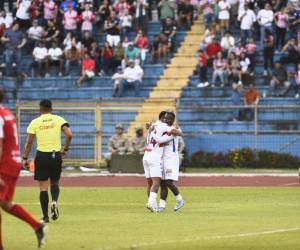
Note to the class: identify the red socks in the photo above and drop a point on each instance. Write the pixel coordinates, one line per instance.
(22, 214)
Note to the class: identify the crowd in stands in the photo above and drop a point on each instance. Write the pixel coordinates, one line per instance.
(241, 34)
(64, 33)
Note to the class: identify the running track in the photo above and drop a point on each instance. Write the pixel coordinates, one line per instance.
(186, 181)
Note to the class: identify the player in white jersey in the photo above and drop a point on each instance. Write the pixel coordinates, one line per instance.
(158, 134)
(170, 173)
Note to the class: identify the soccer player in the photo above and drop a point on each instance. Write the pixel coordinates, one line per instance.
(170, 174)
(10, 167)
(158, 134)
(47, 129)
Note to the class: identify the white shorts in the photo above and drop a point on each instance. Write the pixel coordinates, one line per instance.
(113, 40)
(152, 167)
(170, 168)
(90, 74)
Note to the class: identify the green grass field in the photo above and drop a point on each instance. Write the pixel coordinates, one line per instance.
(114, 218)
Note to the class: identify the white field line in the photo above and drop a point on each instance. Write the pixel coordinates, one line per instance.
(291, 184)
(180, 175)
(207, 238)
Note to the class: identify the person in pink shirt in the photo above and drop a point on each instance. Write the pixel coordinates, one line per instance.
(281, 20)
(50, 9)
(208, 12)
(87, 18)
(251, 52)
(70, 20)
(142, 43)
(121, 6)
(219, 66)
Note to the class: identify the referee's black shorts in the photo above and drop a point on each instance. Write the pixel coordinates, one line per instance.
(47, 166)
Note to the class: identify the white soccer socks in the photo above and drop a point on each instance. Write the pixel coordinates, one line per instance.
(152, 200)
(178, 197)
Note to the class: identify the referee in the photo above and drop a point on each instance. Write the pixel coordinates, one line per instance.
(47, 129)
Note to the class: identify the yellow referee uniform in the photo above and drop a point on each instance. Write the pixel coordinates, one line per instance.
(47, 129)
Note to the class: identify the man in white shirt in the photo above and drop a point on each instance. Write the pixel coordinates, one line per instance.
(132, 76)
(227, 43)
(35, 34)
(265, 19)
(247, 18)
(40, 54)
(6, 18)
(23, 13)
(55, 57)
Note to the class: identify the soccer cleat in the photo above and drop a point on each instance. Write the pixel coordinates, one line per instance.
(161, 209)
(54, 211)
(179, 205)
(41, 235)
(44, 220)
(148, 206)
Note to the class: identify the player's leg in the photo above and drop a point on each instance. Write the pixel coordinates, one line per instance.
(179, 200)
(44, 199)
(163, 195)
(6, 197)
(55, 174)
(153, 194)
(149, 185)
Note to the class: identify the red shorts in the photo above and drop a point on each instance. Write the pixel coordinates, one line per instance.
(7, 191)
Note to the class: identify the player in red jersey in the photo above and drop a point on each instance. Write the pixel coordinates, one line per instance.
(10, 167)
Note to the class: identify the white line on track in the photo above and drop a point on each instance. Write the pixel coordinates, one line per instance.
(181, 175)
(216, 237)
(291, 184)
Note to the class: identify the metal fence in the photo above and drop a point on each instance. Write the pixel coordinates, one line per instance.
(215, 129)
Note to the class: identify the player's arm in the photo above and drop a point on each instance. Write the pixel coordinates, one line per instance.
(28, 147)
(162, 138)
(68, 133)
(176, 132)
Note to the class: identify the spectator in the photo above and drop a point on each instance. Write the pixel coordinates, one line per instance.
(125, 42)
(297, 81)
(125, 23)
(268, 51)
(227, 43)
(280, 77)
(70, 20)
(294, 22)
(138, 143)
(73, 56)
(132, 76)
(247, 18)
(239, 49)
(112, 28)
(104, 11)
(202, 68)
(14, 41)
(169, 31)
(234, 69)
(142, 43)
(118, 144)
(64, 6)
(121, 6)
(251, 101)
(10, 5)
(208, 12)
(35, 34)
(52, 33)
(117, 77)
(50, 10)
(131, 54)
(87, 18)
(265, 19)
(106, 59)
(213, 49)
(23, 14)
(251, 52)
(281, 21)
(224, 14)
(209, 35)
(55, 58)
(88, 69)
(6, 18)
(40, 54)
(185, 13)
(219, 69)
(118, 56)
(236, 99)
(157, 49)
(141, 8)
(166, 8)
(87, 41)
(244, 63)
(96, 56)
(293, 53)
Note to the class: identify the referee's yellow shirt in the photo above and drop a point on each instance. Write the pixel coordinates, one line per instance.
(47, 129)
